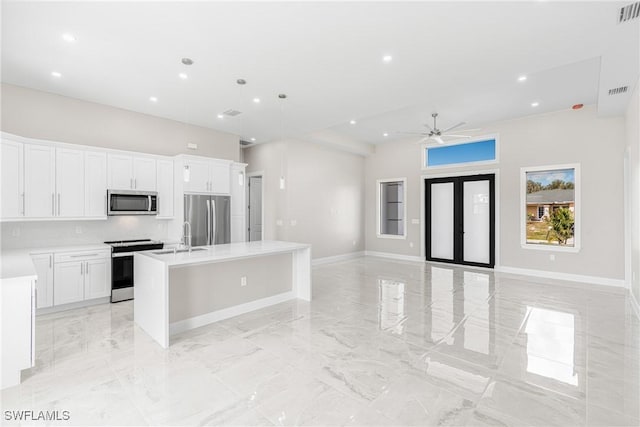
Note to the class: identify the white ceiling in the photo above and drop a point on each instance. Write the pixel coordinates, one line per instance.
(459, 59)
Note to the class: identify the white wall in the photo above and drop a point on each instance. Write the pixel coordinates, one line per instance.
(569, 136)
(42, 115)
(632, 119)
(323, 195)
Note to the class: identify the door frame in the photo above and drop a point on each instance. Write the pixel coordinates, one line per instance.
(248, 176)
(452, 174)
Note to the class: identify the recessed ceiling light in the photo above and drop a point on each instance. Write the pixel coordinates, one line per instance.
(387, 58)
(253, 139)
(353, 122)
(221, 116)
(153, 99)
(70, 38)
(522, 78)
(183, 76)
(385, 134)
(577, 106)
(56, 74)
(256, 100)
(535, 104)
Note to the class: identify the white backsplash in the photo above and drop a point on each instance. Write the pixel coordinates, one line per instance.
(38, 234)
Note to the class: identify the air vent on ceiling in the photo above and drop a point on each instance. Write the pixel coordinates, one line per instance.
(629, 12)
(618, 90)
(232, 112)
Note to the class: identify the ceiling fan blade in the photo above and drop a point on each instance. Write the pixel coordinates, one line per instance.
(412, 133)
(438, 139)
(428, 127)
(454, 127)
(456, 136)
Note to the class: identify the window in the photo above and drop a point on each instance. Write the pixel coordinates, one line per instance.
(391, 208)
(550, 200)
(483, 151)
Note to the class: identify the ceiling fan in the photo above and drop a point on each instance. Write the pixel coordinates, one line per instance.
(436, 134)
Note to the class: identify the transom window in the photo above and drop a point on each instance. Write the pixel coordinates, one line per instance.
(482, 151)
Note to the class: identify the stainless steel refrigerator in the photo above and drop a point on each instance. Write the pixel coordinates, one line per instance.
(210, 219)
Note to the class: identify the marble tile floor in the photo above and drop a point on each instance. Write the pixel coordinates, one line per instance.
(382, 343)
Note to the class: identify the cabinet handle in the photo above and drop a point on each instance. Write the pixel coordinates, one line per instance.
(58, 204)
(83, 255)
(131, 183)
(53, 204)
(82, 269)
(23, 203)
(135, 183)
(50, 260)
(87, 269)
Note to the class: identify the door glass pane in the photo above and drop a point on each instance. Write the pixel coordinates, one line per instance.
(476, 221)
(442, 220)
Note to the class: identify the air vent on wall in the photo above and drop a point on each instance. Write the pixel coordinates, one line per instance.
(245, 143)
(629, 12)
(618, 90)
(232, 113)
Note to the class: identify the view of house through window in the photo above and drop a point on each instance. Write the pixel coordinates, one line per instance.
(551, 207)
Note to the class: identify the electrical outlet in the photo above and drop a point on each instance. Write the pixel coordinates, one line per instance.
(552, 257)
(243, 281)
(15, 232)
(192, 146)
(415, 221)
(410, 244)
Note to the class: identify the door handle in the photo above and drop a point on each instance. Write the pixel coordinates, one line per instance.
(208, 222)
(149, 207)
(214, 227)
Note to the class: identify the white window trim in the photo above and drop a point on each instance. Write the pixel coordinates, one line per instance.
(458, 142)
(523, 209)
(378, 207)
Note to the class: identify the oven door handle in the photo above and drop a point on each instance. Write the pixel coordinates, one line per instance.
(121, 254)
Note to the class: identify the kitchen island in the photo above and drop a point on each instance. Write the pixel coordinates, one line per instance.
(180, 290)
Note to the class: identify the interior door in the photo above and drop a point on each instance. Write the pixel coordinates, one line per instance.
(255, 208)
(460, 220)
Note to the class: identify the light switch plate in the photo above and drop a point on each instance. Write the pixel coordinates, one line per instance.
(192, 146)
(415, 221)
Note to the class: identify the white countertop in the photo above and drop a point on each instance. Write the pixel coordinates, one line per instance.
(17, 262)
(226, 252)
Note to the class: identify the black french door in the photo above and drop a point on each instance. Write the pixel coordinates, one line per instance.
(460, 220)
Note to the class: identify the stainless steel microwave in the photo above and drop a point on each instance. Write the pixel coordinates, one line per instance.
(125, 202)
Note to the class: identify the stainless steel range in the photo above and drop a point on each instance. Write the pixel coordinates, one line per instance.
(122, 265)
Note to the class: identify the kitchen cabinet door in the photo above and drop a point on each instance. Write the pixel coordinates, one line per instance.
(196, 176)
(12, 179)
(165, 188)
(144, 174)
(120, 172)
(39, 180)
(95, 184)
(68, 279)
(220, 178)
(69, 183)
(96, 278)
(44, 283)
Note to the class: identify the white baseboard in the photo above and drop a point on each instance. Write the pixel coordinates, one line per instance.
(394, 256)
(226, 313)
(71, 306)
(594, 280)
(336, 258)
(634, 303)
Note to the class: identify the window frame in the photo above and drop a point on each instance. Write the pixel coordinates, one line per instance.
(379, 183)
(425, 156)
(576, 210)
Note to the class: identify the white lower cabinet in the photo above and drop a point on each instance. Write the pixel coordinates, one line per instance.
(44, 283)
(81, 276)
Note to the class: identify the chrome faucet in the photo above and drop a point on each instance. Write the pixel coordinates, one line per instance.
(186, 238)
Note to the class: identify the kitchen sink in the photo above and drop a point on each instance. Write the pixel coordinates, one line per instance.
(177, 251)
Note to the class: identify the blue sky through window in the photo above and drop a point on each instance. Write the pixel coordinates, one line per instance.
(469, 152)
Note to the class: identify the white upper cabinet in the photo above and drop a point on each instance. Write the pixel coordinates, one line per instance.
(206, 176)
(131, 172)
(95, 184)
(165, 188)
(39, 180)
(70, 189)
(144, 173)
(11, 180)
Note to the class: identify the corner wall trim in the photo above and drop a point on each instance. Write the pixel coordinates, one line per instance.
(634, 303)
(594, 280)
(336, 258)
(394, 256)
